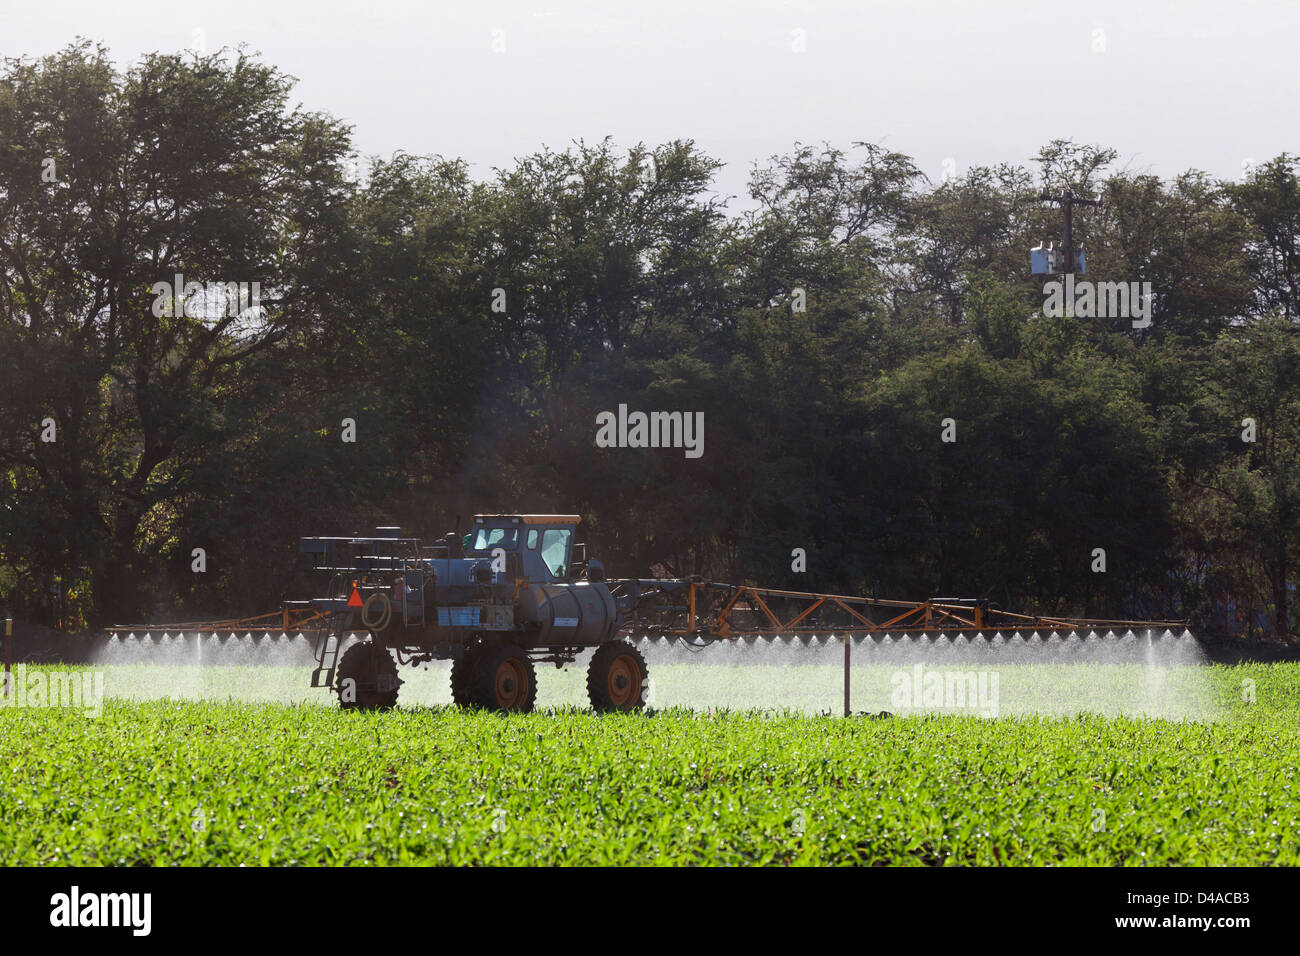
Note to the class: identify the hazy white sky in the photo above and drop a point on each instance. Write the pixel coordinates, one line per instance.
(1172, 85)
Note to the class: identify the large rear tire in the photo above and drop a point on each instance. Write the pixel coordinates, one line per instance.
(617, 678)
(505, 680)
(367, 678)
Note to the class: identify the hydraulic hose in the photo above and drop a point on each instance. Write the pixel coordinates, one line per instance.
(378, 598)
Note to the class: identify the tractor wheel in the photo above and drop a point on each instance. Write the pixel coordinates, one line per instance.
(367, 678)
(617, 677)
(505, 679)
(464, 675)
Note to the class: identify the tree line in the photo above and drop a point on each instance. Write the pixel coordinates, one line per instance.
(879, 381)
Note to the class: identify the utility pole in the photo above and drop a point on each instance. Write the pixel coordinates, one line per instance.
(848, 658)
(1068, 200)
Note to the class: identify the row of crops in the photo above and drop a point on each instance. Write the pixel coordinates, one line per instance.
(230, 781)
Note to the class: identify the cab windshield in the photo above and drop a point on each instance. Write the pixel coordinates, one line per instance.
(485, 539)
(555, 549)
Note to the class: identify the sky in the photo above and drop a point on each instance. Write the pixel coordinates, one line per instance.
(1171, 85)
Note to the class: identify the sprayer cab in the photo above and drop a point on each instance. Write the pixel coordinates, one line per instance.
(538, 548)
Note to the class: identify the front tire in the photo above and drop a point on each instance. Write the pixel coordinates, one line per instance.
(367, 678)
(617, 678)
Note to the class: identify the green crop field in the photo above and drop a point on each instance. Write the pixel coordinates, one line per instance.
(184, 768)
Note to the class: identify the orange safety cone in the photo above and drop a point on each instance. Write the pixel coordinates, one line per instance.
(355, 599)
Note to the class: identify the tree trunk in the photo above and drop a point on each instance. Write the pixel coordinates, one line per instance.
(116, 583)
(1280, 599)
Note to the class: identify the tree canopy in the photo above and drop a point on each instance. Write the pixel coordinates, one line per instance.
(879, 380)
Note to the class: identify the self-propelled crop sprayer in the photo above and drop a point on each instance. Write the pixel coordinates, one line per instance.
(518, 590)
(510, 597)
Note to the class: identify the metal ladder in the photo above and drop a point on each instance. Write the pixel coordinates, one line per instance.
(327, 654)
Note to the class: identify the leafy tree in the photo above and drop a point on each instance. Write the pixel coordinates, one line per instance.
(1270, 201)
(195, 167)
(1259, 379)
